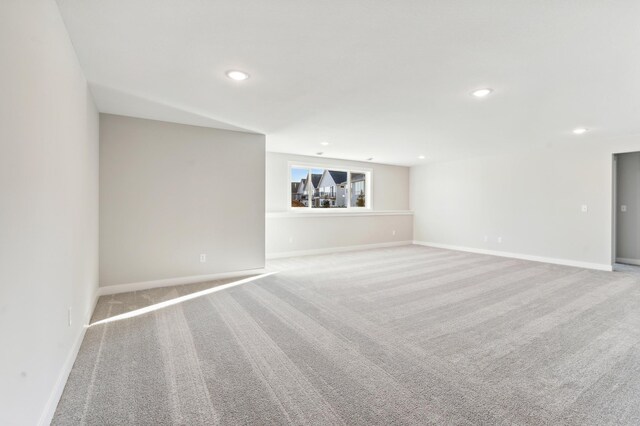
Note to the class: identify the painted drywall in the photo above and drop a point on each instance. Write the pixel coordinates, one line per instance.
(293, 232)
(170, 192)
(531, 201)
(628, 218)
(48, 209)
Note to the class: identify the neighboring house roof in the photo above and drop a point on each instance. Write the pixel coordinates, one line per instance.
(315, 179)
(338, 177)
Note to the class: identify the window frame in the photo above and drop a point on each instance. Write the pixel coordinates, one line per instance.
(368, 172)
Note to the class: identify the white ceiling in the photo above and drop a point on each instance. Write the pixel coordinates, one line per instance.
(383, 79)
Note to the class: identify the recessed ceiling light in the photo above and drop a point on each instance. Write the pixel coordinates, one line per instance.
(324, 143)
(481, 93)
(319, 153)
(237, 75)
(422, 157)
(580, 130)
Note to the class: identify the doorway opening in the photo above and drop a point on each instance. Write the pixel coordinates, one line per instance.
(626, 212)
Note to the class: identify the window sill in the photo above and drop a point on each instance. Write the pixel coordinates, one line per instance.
(329, 213)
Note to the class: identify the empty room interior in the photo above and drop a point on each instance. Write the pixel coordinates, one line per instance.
(418, 212)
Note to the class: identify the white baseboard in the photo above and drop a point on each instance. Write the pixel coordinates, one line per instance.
(330, 250)
(628, 261)
(566, 262)
(167, 282)
(56, 393)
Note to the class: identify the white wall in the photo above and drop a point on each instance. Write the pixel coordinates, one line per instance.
(169, 192)
(531, 199)
(296, 232)
(48, 208)
(628, 222)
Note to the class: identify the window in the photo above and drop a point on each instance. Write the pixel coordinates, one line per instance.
(358, 191)
(315, 187)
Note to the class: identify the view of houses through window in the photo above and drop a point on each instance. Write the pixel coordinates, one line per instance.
(326, 188)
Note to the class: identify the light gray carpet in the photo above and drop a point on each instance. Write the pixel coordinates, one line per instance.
(406, 335)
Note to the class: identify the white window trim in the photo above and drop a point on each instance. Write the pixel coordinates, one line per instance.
(322, 165)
